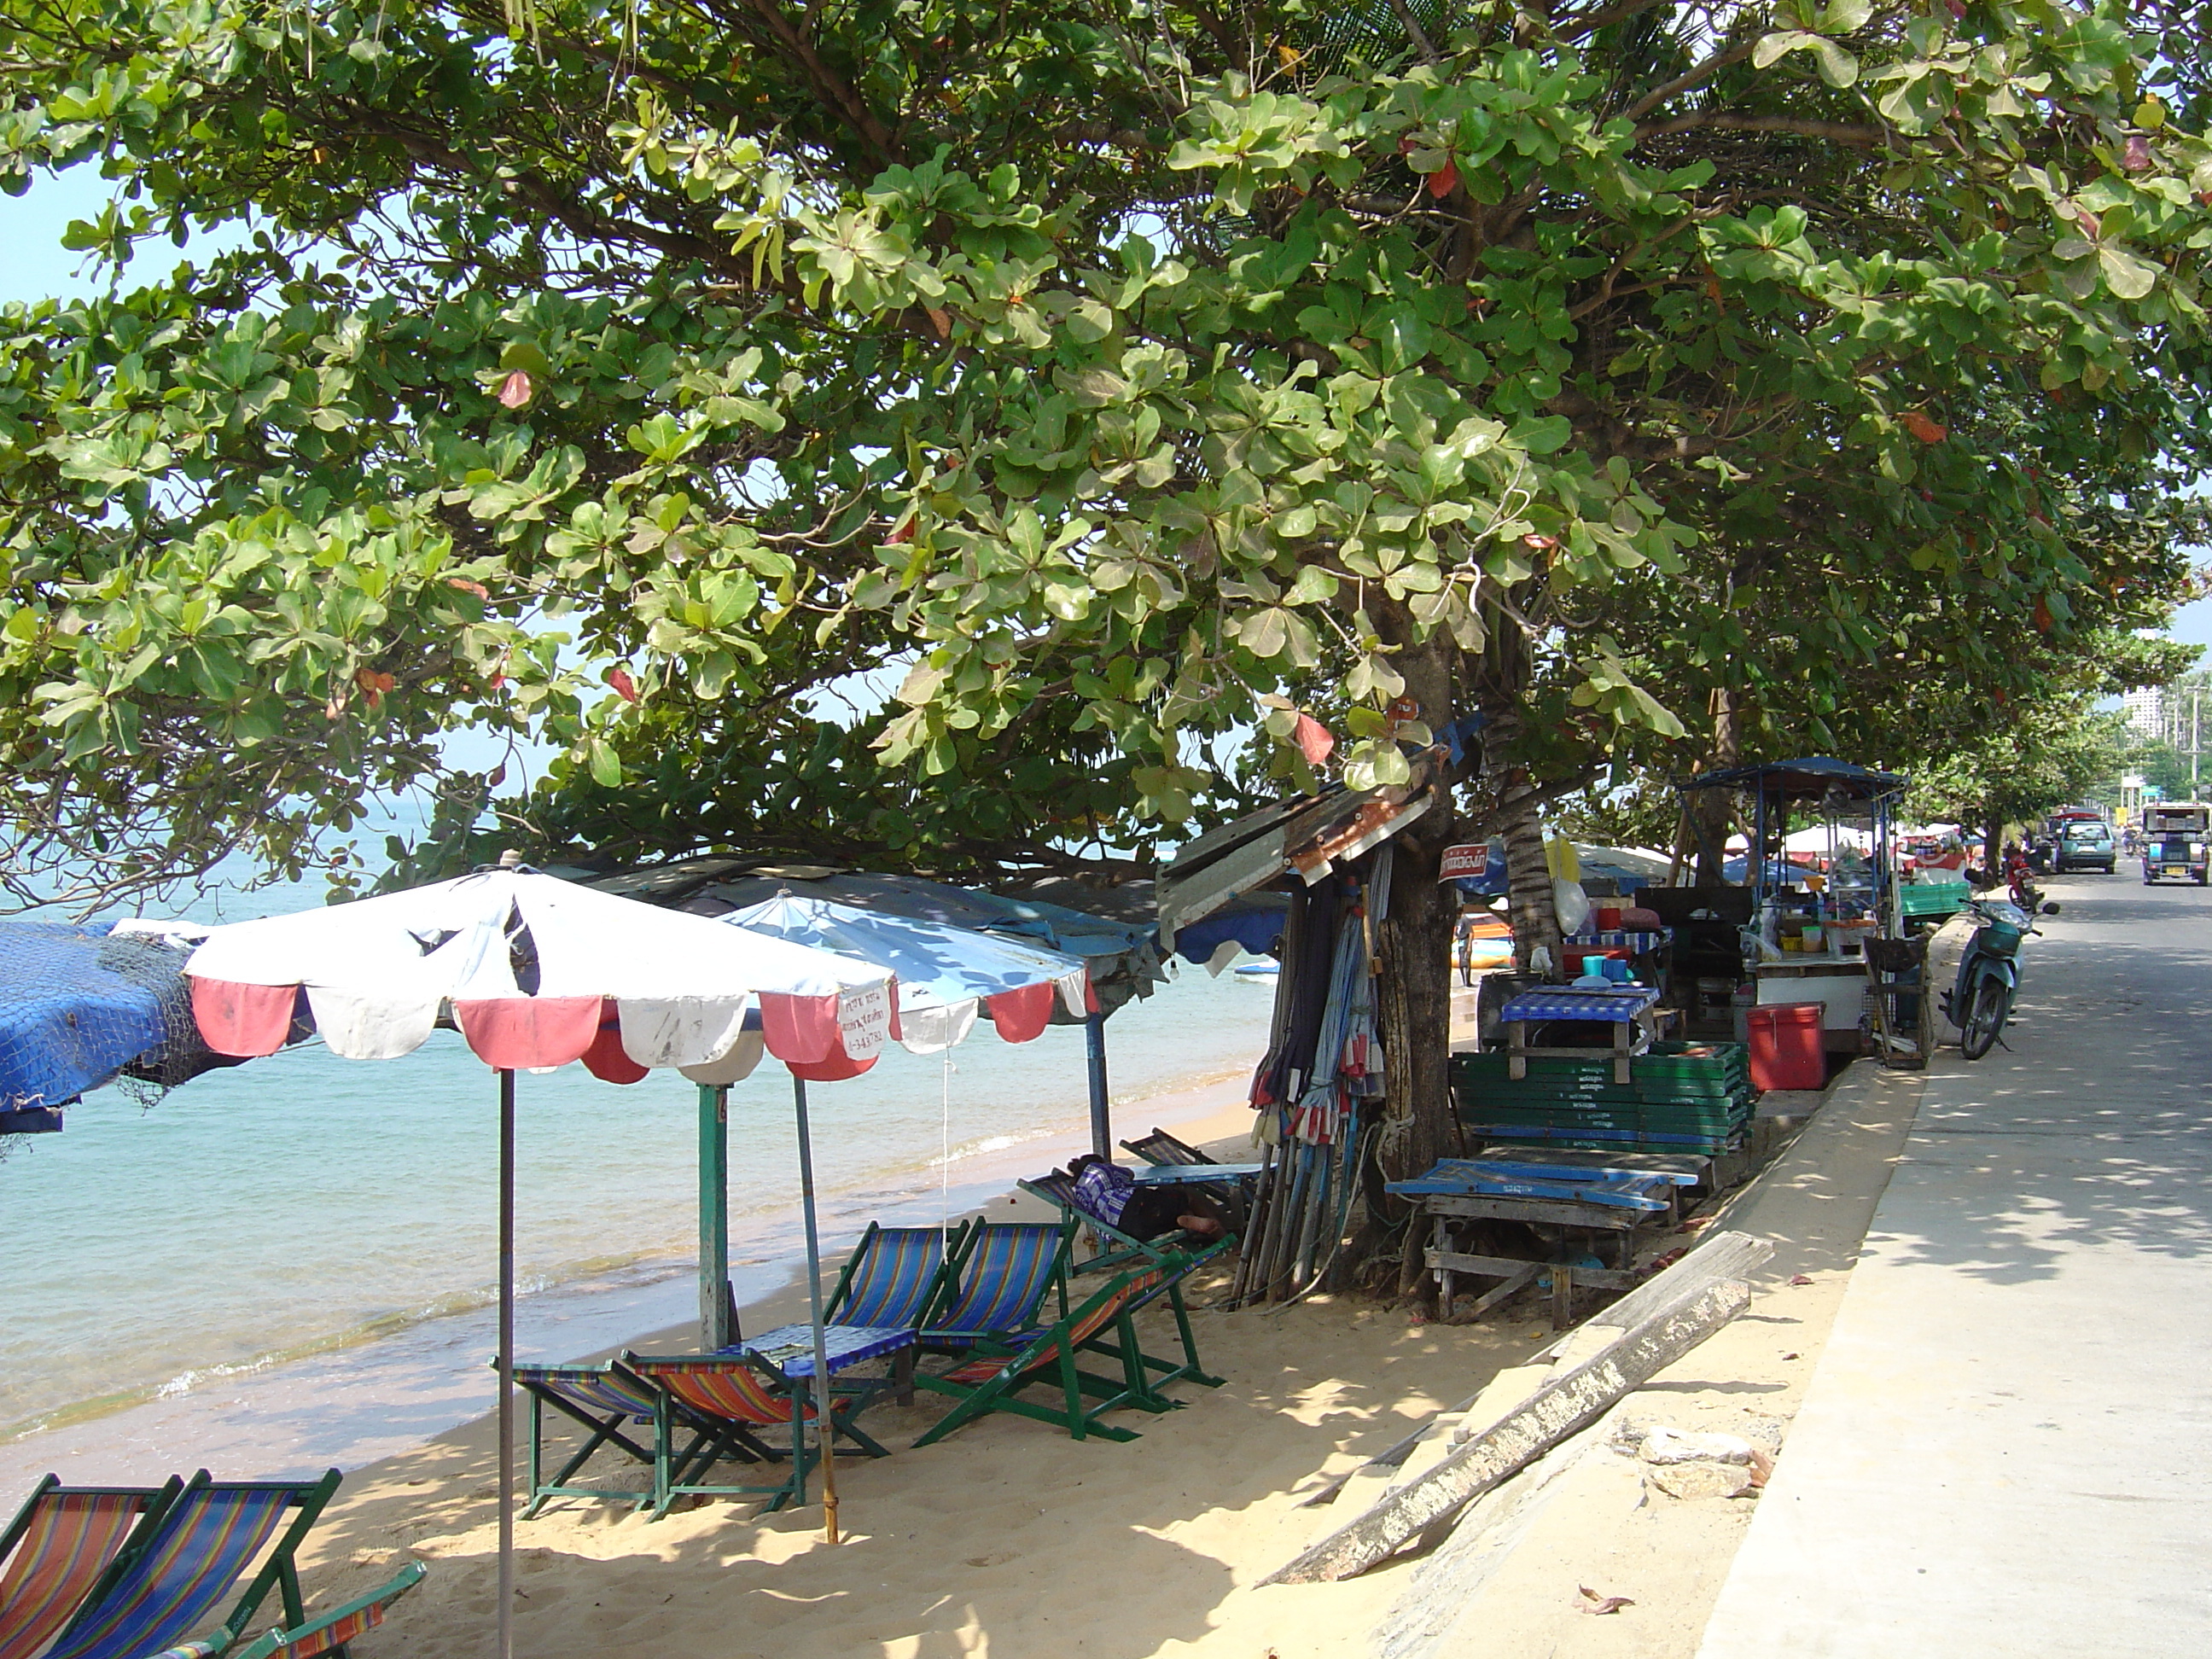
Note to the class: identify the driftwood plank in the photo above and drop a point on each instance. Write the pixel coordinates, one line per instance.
(1717, 1256)
(1549, 1415)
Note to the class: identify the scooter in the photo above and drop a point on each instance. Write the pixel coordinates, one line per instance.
(2019, 880)
(1980, 998)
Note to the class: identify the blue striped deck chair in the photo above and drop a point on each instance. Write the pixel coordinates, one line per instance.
(62, 1545)
(206, 1538)
(999, 1281)
(994, 1379)
(892, 1275)
(330, 1633)
(603, 1399)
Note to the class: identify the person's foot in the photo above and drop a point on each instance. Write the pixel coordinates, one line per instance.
(1204, 1226)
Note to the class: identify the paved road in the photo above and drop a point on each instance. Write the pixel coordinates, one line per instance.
(2007, 1446)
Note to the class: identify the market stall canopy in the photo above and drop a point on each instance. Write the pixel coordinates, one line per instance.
(946, 975)
(531, 968)
(1122, 955)
(1308, 834)
(82, 1007)
(1816, 777)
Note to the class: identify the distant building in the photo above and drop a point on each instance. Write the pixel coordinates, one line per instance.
(2146, 712)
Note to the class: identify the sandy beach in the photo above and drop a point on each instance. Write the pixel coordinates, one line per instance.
(1009, 1538)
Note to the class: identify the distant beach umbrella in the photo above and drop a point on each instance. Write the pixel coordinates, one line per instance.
(535, 972)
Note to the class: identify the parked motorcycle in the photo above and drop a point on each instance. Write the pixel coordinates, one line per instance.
(1980, 998)
(2019, 881)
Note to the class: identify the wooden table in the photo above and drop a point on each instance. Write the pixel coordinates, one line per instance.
(1619, 1201)
(1626, 1008)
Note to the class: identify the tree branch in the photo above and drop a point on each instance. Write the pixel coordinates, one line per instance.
(1697, 75)
(1839, 132)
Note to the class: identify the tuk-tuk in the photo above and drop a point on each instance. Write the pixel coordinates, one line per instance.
(2177, 842)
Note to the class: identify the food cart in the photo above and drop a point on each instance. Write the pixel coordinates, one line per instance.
(1807, 926)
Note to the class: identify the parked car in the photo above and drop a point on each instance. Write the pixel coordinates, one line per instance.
(2086, 844)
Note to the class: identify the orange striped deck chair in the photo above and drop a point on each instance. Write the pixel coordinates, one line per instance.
(62, 1543)
(1101, 1324)
(330, 1633)
(728, 1395)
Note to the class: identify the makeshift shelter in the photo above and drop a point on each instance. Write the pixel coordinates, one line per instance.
(535, 972)
(83, 1006)
(1329, 852)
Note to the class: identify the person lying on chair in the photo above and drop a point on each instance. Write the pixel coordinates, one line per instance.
(1106, 1190)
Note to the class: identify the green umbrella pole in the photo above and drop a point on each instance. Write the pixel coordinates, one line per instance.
(718, 1312)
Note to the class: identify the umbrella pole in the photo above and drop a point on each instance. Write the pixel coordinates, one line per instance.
(506, 1364)
(1101, 1121)
(825, 1433)
(717, 1314)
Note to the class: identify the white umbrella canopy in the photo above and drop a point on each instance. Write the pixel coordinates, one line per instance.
(527, 965)
(536, 972)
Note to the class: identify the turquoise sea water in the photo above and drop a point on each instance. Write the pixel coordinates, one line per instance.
(306, 1203)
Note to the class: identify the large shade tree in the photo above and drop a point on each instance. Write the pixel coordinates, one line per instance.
(1078, 374)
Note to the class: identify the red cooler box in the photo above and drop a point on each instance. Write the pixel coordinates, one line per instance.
(1785, 1046)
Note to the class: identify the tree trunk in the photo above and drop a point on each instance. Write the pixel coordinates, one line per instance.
(1413, 962)
(1529, 881)
(1993, 850)
(1712, 808)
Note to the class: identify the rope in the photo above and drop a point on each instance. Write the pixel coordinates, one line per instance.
(944, 1156)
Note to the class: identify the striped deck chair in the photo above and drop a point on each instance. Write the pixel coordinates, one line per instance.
(999, 1282)
(61, 1544)
(893, 1273)
(603, 1399)
(203, 1541)
(330, 1633)
(993, 1380)
(728, 1396)
(1059, 1188)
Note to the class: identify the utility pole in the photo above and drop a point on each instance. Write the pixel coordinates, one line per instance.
(2195, 746)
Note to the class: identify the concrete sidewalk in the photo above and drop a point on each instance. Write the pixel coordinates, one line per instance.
(2006, 1446)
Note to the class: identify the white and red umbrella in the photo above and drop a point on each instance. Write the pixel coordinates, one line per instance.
(535, 972)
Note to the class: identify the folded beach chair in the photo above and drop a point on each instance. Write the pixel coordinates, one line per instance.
(604, 1400)
(205, 1537)
(61, 1544)
(1101, 1324)
(330, 1633)
(999, 1281)
(724, 1397)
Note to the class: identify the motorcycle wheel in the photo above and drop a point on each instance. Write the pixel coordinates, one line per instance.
(1985, 1017)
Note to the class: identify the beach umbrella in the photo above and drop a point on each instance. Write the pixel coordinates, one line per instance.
(947, 978)
(1122, 954)
(535, 972)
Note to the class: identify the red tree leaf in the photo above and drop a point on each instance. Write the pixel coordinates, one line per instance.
(625, 688)
(1444, 181)
(516, 391)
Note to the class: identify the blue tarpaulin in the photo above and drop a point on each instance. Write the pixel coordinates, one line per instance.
(68, 1020)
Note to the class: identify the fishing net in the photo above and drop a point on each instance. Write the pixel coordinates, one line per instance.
(80, 1008)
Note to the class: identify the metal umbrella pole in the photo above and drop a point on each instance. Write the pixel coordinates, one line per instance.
(506, 1364)
(824, 1430)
